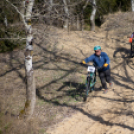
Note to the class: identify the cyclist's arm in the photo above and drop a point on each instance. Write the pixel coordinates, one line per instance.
(107, 59)
(132, 35)
(89, 59)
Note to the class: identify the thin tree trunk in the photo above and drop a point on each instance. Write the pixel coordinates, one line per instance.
(92, 18)
(50, 5)
(78, 22)
(66, 21)
(132, 5)
(22, 8)
(29, 9)
(30, 81)
(5, 21)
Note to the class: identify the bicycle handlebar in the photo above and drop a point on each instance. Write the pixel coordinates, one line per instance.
(86, 65)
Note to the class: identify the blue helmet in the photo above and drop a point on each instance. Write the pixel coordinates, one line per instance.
(97, 48)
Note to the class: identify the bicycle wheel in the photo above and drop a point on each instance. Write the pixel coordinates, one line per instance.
(131, 53)
(87, 88)
(132, 49)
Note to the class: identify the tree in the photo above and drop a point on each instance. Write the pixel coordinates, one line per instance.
(25, 13)
(50, 5)
(132, 5)
(92, 18)
(93, 13)
(66, 21)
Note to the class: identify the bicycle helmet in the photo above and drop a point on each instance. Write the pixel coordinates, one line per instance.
(97, 48)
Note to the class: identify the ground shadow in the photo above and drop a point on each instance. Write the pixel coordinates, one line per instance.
(122, 52)
(91, 116)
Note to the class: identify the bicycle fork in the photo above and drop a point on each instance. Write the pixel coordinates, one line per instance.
(91, 79)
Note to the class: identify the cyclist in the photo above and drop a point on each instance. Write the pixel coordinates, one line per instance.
(131, 39)
(101, 60)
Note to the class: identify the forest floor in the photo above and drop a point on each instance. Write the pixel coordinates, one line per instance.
(60, 82)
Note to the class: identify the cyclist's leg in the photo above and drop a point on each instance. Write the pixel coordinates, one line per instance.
(132, 48)
(103, 80)
(108, 76)
(131, 51)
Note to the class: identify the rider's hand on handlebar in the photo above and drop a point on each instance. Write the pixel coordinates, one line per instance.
(83, 62)
(105, 65)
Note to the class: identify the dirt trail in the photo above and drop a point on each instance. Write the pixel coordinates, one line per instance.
(110, 113)
(103, 114)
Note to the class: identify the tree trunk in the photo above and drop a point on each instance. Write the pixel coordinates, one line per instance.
(66, 21)
(30, 83)
(5, 21)
(50, 5)
(22, 8)
(29, 9)
(78, 22)
(30, 80)
(92, 18)
(132, 5)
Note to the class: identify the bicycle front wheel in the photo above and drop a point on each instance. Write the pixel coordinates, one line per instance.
(87, 88)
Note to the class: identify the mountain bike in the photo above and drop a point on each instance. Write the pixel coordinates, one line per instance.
(90, 80)
(131, 41)
(132, 49)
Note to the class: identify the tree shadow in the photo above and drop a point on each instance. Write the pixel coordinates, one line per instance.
(122, 52)
(91, 116)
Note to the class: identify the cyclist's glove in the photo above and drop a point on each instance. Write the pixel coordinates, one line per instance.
(105, 65)
(83, 62)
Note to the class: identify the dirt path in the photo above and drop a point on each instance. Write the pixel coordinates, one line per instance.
(110, 113)
(103, 114)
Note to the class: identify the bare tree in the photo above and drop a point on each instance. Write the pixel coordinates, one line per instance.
(25, 13)
(66, 21)
(132, 5)
(5, 21)
(92, 17)
(50, 5)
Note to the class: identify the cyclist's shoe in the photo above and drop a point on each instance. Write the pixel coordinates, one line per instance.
(111, 84)
(105, 91)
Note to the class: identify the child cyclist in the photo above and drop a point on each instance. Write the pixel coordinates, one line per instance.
(101, 60)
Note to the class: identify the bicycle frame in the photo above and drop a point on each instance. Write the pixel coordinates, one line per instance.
(92, 77)
(132, 48)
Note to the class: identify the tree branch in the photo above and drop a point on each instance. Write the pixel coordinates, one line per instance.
(22, 15)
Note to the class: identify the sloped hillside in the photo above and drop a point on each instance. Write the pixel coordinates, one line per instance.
(60, 81)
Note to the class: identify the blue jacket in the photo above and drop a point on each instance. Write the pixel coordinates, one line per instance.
(99, 61)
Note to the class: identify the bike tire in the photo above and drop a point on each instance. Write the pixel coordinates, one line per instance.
(131, 53)
(87, 88)
(132, 49)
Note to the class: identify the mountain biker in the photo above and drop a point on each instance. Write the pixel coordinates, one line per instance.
(101, 60)
(131, 39)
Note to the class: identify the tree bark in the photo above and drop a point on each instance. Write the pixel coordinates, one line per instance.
(92, 18)
(30, 81)
(78, 22)
(66, 21)
(5, 21)
(50, 5)
(132, 5)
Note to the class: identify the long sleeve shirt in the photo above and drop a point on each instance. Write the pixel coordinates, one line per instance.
(99, 61)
